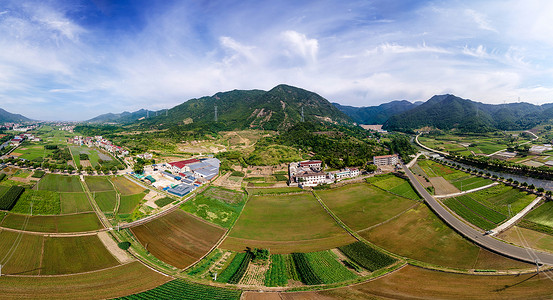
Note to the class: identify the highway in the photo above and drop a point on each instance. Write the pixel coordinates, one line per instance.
(477, 236)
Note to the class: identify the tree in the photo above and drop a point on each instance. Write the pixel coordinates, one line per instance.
(371, 168)
(138, 168)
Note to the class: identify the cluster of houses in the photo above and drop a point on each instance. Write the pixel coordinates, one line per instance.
(309, 173)
(182, 177)
(18, 139)
(100, 142)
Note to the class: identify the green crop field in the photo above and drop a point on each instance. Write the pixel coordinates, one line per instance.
(105, 284)
(394, 184)
(367, 256)
(468, 214)
(74, 202)
(499, 197)
(235, 270)
(481, 210)
(461, 180)
(21, 258)
(181, 289)
(64, 223)
(129, 203)
(283, 190)
(361, 205)
(285, 224)
(44, 203)
(470, 182)
(67, 255)
(98, 183)
(276, 275)
(60, 183)
(542, 215)
(106, 200)
(32, 151)
(217, 205)
(326, 266)
(125, 186)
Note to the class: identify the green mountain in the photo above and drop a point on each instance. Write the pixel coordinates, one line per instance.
(277, 109)
(124, 117)
(449, 111)
(9, 117)
(371, 115)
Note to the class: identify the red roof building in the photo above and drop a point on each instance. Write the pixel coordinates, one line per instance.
(183, 163)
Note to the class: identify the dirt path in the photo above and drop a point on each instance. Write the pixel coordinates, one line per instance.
(112, 247)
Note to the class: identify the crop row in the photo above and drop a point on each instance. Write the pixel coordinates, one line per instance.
(10, 197)
(236, 269)
(2, 176)
(482, 210)
(305, 270)
(366, 256)
(276, 275)
(205, 263)
(328, 268)
(468, 215)
(180, 289)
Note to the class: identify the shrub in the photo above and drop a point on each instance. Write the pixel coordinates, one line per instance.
(163, 201)
(38, 174)
(237, 174)
(124, 245)
(10, 197)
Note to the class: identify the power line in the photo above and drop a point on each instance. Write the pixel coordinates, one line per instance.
(215, 113)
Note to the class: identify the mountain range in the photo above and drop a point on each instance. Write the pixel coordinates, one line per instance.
(9, 117)
(283, 106)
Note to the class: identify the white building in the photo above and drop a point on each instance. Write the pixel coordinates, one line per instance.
(311, 178)
(384, 160)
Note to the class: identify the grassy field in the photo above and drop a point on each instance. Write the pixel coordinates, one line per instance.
(129, 203)
(542, 214)
(181, 289)
(216, 205)
(106, 200)
(116, 282)
(178, 238)
(60, 183)
(394, 184)
(68, 255)
(44, 203)
(54, 224)
(522, 236)
(283, 190)
(474, 212)
(461, 180)
(25, 256)
(499, 197)
(421, 235)
(32, 151)
(74, 202)
(326, 266)
(487, 143)
(285, 224)
(360, 205)
(98, 183)
(125, 186)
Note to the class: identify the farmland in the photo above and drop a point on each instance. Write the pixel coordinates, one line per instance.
(115, 282)
(366, 256)
(542, 214)
(327, 268)
(470, 215)
(60, 183)
(394, 184)
(283, 190)
(128, 203)
(74, 202)
(421, 235)
(98, 183)
(106, 200)
(216, 205)
(236, 269)
(461, 180)
(180, 289)
(44, 203)
(125, 186)
(360, 205)
(54, 224)
(523, 236)
(285, 224)
(276, 275)
(9, 198)
(25, 256)
(177, 238)
(499, 197)
(464, 144)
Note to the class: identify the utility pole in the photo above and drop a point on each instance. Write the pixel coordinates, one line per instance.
(0, 270)
(147, 114)
(215, 113)
(166, 112)
(302, 117)
(537, 265)
(31, 209)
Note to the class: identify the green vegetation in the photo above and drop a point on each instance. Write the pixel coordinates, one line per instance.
(106, 200)
(2, 176)
(98, 183)
(236, 269)
(124, 245)
(459, 179)
(202, 266)
(163, 201)
(43, 202)
(276, 275)
(326, 266)
(366, 256)
(268, 155)
(542, 215)
(469, 215)
(60, 183)
(499, 198)
(217, 205)
(394, 184)
(482, 210)
(305, 270)
(181, 289)
(80, 254)
(74, 203)
(129, 203)
(361, 205)
(9, 198)
(37, 174)
(53, 224)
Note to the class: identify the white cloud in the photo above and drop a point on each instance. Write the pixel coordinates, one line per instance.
(480, 19)
(298, 44)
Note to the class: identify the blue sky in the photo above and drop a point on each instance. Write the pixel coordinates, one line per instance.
(73, 60)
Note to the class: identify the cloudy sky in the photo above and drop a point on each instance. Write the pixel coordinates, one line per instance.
(73, 60)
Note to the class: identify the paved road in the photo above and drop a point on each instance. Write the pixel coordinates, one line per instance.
(477, 236)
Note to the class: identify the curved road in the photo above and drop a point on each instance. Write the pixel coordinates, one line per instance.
(477, 236)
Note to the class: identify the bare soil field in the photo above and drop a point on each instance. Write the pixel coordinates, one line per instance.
(442, 186)
(178, 238)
